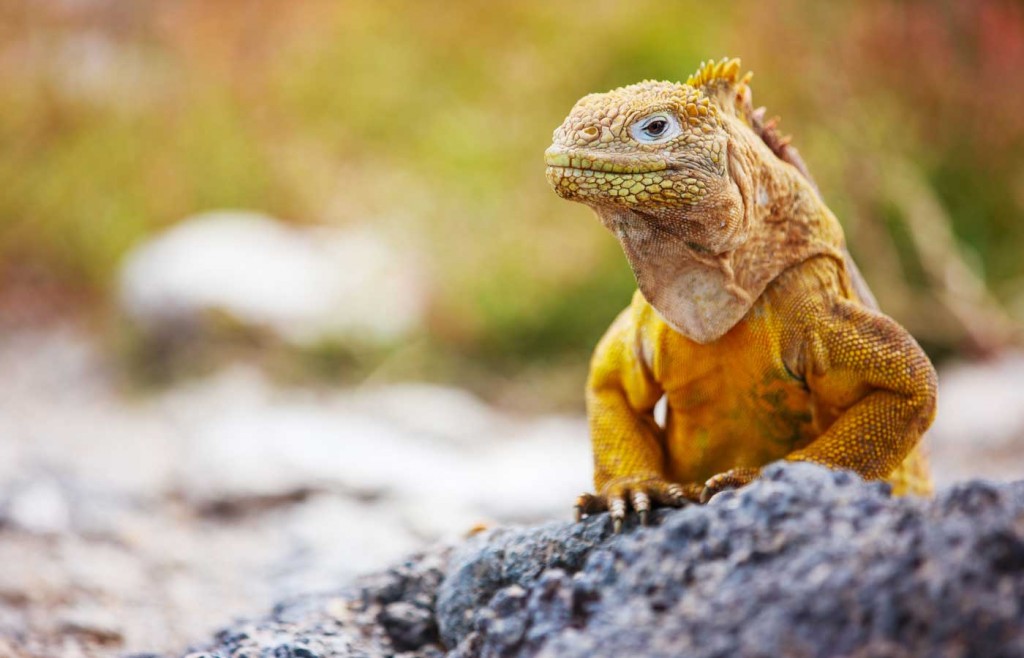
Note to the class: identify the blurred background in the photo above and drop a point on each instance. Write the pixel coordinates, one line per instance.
(284, 294)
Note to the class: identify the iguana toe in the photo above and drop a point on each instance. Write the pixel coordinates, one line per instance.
(732, 479)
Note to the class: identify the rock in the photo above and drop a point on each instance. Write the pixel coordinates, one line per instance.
(252, 442)
(441, 413)
(805, 562)
(408, 625)
(304, 285)
(141, 481)
(93, 622)
(979, 427)
(509, 559)
(40, 507)
(215, 498)
(379, 615)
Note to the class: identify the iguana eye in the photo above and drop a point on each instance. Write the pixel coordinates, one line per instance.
(655, 128)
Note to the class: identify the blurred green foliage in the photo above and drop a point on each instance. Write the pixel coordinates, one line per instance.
(428, 120)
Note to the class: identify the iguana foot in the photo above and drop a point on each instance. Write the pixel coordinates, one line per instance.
(732, 479)
(640, 495)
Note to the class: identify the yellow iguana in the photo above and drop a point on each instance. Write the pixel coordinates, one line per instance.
(750, 318)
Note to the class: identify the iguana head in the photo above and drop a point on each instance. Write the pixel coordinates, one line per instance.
(654, 148)
(695, 186)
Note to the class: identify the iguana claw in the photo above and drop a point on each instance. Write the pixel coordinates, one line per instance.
(732, 479)
(641, 505)
(640, 495)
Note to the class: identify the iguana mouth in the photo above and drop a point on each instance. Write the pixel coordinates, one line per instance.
(556, 158)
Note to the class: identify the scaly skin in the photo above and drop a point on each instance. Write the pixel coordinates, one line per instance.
(751, 318)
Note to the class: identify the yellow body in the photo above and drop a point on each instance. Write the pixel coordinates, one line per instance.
(750, 319)
(809, 374)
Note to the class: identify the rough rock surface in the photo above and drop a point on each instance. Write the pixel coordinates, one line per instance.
(805, 562)
(383, 614)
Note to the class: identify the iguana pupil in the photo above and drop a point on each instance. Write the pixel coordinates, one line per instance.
(656, 128)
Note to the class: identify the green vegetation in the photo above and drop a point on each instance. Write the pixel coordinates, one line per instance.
(428, 121)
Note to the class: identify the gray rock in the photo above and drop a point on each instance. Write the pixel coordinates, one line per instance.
(380, 615)
(805, 562)
(510, 558)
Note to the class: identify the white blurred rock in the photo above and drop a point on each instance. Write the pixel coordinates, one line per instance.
(441, 412)
(517, 470)
(287, 447)
(333, 539)
(979, 427)
(93, 621)
(441, 456)
(304, 284)
(982, 403)
(535, 475)
(40, 507)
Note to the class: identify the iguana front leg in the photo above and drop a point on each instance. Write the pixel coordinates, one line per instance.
(867, 367)
(629, 452)
(867, 372)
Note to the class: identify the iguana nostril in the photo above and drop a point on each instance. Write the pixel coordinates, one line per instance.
(590, 132)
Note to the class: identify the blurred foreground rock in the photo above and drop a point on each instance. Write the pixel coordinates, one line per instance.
(807, 562)
(303, 285)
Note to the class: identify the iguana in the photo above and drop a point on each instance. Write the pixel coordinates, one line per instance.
(750, 317)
